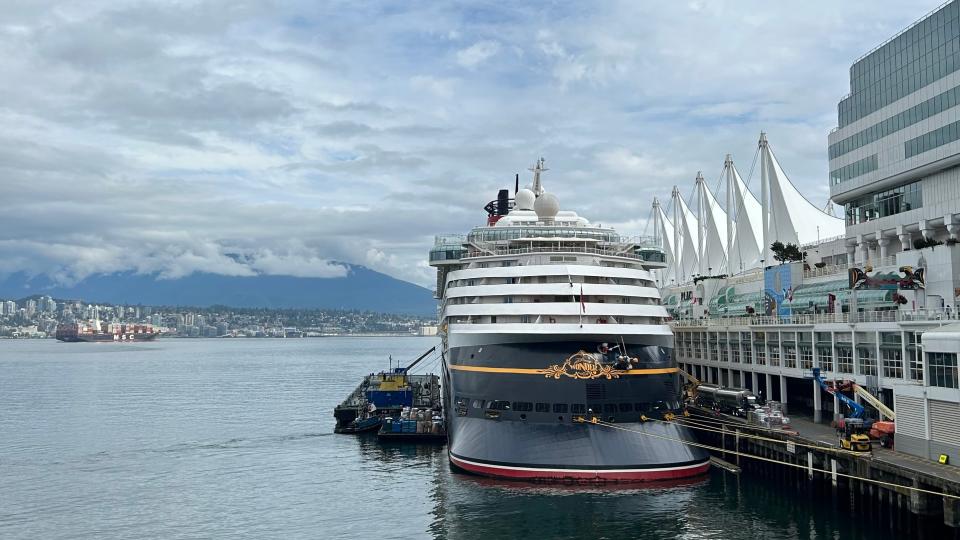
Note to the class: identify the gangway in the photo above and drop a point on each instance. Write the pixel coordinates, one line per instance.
(855, 408)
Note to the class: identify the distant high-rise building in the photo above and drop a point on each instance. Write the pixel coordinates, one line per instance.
(30, 308)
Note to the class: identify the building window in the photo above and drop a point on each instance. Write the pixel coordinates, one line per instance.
(853, 170)
(933, 139)
(560, 408)
(920, 55)
(892, 362)
(758, 353)
(774, 355)
(735, 352)
(909, 117)
(578, 408)
(543, 407)
(825, 358)
(844, 359)
(806, 357)
(789, 356)
(915, 356)
(866, 361)
(522, 406)
(942, 369)
(884, 203)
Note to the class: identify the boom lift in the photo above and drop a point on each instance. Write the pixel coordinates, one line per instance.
(882, 430)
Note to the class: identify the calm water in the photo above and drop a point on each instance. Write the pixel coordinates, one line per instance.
(233, 438)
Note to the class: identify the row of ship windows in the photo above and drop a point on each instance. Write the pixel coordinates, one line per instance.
(554, 319)
(565, 408)
(494, 234)
(909, 117)
(472, 300)
(531, 280)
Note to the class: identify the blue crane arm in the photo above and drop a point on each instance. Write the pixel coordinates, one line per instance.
(856, 410)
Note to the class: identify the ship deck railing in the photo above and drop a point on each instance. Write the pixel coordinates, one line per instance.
(877, 316)
(497, 251)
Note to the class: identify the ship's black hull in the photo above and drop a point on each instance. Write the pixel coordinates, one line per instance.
(513, 411)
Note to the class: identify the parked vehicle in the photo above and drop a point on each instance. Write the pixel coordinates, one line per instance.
(735, 401)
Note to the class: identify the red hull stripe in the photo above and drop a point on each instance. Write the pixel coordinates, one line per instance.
(533, 473)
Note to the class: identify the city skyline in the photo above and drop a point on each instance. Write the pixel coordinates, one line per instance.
(37, 316)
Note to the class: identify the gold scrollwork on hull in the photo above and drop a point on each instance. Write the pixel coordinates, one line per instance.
(581, 365)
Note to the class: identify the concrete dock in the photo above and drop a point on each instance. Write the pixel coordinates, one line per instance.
(923, 487)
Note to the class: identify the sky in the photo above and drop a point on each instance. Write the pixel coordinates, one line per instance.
(286, 138)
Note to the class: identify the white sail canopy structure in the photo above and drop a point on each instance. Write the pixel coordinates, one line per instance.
(791, 217)
(735, 237)
(663, 230)
(713, 231)
(744, 253)
(688, 243)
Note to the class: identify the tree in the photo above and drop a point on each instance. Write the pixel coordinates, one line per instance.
(787, 252)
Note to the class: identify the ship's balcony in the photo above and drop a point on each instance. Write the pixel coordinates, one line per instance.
(646, 257)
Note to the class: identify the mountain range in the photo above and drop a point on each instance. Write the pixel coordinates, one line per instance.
(361, 288)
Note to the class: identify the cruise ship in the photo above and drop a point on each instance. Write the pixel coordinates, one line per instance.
(558, 360)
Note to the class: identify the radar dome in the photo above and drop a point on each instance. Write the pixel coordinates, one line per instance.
(547, 206)
(524, 199)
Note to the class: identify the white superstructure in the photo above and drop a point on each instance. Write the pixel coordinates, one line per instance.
(538, 271)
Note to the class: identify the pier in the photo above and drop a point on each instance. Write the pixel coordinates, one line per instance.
(893, 480)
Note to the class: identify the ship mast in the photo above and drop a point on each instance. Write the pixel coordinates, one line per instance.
(539, 167)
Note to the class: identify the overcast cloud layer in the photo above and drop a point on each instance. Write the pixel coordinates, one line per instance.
(275, 137)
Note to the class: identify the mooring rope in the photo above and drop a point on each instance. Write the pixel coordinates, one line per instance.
(760, 437)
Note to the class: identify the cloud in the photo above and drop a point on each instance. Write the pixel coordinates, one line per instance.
(477, 53)
(244, 137)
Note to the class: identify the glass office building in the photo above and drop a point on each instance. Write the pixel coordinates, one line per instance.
(894, 155)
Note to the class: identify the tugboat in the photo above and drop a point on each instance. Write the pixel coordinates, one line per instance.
(387, 394)
(553, 331)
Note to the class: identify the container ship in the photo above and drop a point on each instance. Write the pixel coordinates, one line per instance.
(557, 355)
(97, 331)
